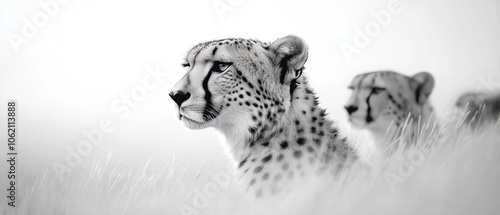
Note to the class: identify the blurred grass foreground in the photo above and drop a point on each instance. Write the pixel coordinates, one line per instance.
(459, 175)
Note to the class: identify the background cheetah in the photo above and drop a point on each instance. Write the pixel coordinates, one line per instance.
(388, 104)
(481, 108)
(255, 95)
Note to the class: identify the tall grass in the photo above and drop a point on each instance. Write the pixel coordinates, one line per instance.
(459, 174)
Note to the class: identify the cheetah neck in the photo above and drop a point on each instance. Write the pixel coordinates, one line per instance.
(282, 143)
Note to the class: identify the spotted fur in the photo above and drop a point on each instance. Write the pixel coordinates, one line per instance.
(254, 93)
(383, 102)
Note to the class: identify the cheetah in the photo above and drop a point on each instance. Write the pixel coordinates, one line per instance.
(255, 94)
(481, 108)
(388, 104)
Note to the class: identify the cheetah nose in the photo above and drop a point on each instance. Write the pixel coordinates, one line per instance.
(351, 109)
(179, 97)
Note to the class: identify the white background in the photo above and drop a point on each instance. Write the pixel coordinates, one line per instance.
(89, 53)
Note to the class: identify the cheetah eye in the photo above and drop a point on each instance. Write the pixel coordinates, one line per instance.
(221, 66)
(350, 87)
(377, 90)
(185, 65)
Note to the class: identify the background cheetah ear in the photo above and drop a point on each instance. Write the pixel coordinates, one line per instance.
(424, 86)
(290, 53)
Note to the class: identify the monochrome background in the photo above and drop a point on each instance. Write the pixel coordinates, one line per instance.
(89, 54)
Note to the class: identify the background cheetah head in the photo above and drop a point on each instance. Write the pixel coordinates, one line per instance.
(479, 107)
(381, 98)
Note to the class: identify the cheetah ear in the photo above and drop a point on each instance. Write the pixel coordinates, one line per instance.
(290, 53)
(424, 86)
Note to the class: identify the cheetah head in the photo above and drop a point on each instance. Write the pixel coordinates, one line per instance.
(231, 82)
(381, 98)
(479, 107)
(471, 101)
